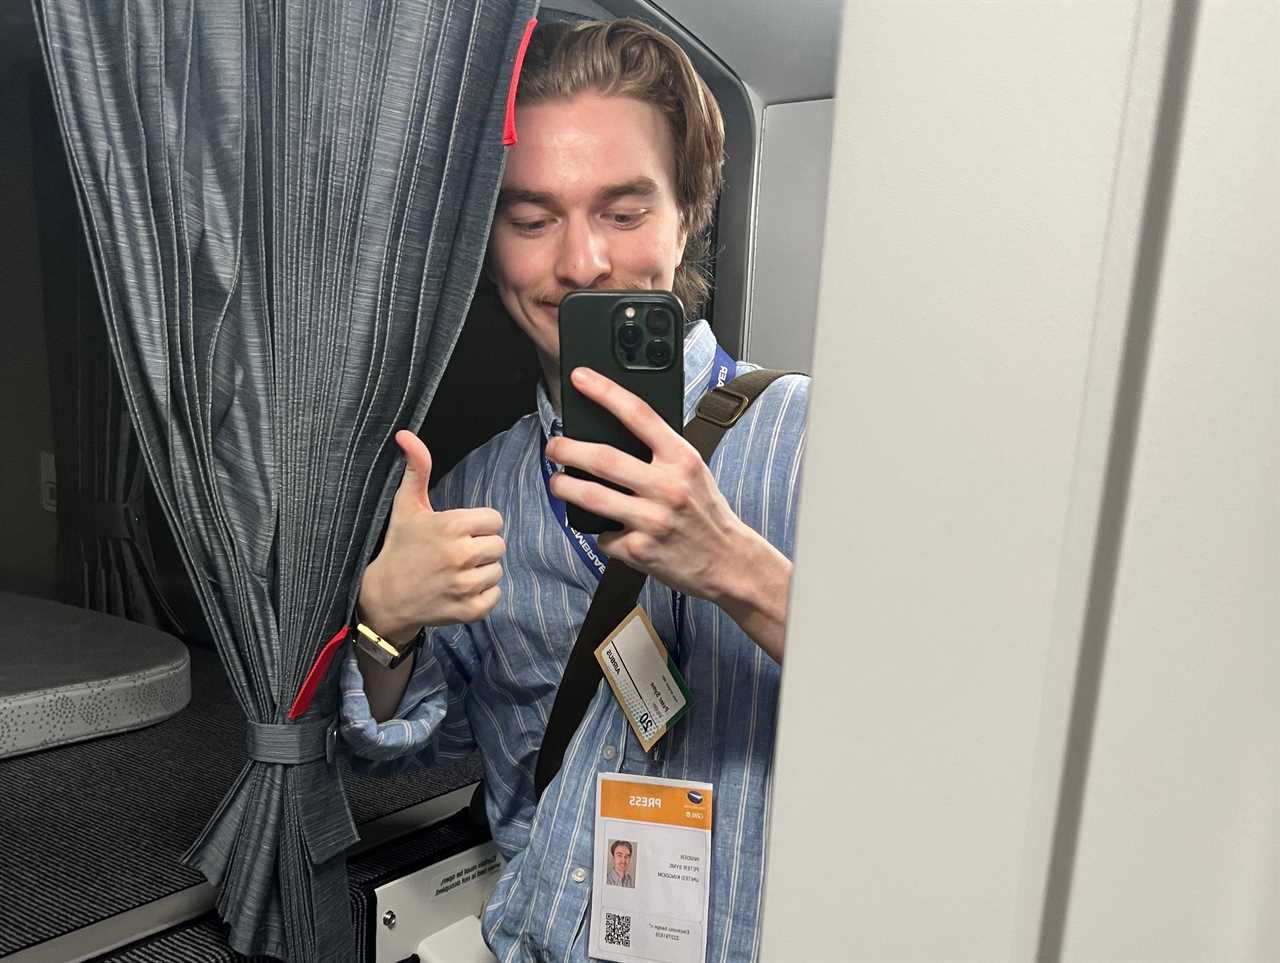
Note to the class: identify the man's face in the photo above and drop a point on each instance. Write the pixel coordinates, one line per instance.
(588, 201)
(621, 860)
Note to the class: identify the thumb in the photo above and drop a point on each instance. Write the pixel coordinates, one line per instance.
(417, 471)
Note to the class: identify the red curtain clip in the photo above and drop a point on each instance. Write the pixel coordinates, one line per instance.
(302, 701)
(509, 127)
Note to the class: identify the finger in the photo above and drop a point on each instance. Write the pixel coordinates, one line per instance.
(473, 521)
(478, 606)
(417, 470)
(634, 513)
(634, 548)
(481, 579)
(487, 548)
(603, 461)
(612, 545)
(634, 412)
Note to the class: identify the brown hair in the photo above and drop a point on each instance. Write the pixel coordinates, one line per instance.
(627, 58)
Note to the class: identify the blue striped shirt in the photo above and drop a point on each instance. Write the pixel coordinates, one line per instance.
(490, 685)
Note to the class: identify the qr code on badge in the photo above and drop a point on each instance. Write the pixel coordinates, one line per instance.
(617, 929)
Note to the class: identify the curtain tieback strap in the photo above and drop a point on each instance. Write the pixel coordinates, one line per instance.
(293, 743)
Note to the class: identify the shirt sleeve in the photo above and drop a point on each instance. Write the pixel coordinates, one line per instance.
(795, 421)
(430, 725)
(776, 452)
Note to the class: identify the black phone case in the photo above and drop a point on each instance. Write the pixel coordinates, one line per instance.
(587, 340)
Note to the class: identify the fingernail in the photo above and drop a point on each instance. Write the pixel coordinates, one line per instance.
(583, 375)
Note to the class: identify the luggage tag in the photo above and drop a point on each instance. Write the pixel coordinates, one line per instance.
(651, 886)
(644, 679)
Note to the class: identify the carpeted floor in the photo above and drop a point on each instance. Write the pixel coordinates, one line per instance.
(96, 828)
(204, 940)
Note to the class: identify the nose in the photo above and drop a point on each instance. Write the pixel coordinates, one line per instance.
(583, 260)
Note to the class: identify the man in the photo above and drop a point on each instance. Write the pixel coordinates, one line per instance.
(620, 872)
(611, 185)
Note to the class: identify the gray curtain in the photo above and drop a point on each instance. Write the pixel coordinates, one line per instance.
(285, 205)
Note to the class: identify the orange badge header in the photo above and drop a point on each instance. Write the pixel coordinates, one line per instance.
(646, 802)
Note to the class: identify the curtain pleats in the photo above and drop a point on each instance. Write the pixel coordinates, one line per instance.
(285, 205)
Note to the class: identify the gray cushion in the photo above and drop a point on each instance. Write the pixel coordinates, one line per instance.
(68, 674)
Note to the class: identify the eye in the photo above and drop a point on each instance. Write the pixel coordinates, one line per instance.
(528, 220)
(531, 227)
(625, 219)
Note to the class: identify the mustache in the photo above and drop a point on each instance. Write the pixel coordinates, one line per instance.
(556, 295)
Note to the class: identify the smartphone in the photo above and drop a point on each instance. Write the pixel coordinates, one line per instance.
(635, 338)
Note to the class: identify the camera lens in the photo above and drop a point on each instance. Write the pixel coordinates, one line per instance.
(659, 321)
(657, 352)
(630, 335)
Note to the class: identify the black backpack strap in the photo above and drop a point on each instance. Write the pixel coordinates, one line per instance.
(620, 585)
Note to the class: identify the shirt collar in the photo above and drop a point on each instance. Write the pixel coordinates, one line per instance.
(699, 355)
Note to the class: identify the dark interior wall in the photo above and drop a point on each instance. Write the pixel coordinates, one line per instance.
(28, 533)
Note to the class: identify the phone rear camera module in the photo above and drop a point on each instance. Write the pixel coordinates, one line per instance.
(630, 335)
(660, 321)
(658, 353)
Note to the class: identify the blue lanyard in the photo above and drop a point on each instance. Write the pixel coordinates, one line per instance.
(722, 372)
(586, 546)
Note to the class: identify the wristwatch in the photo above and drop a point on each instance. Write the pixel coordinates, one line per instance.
(382, 651)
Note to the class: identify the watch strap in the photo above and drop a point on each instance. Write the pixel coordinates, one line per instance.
(380, 650)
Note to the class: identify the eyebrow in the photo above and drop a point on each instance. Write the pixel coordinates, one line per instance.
(510, 196)
(642, 187)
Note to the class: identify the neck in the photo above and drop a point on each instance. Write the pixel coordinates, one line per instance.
(551, 379)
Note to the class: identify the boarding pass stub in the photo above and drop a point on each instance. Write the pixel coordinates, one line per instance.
(645, 680)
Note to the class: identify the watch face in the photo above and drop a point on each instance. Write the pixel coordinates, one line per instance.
(382, 651)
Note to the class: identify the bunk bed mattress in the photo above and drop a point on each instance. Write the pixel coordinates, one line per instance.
(69, 674)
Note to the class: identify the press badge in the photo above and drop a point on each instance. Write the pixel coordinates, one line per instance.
(651, 888)
(647, 684)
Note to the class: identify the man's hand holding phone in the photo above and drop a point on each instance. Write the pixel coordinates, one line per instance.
(435, 568)
(677, 526)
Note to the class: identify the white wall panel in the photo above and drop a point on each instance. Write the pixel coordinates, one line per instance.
(973, 170)
(1029, 702)
(1179, 853)
(762, 41)
(795, 156)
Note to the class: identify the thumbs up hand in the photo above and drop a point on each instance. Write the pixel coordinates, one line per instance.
(435, 568)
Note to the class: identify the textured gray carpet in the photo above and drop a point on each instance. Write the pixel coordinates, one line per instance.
(97, 828)
(204, 940)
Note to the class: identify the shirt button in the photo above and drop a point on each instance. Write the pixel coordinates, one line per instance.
(610, 752)
(579, 875)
